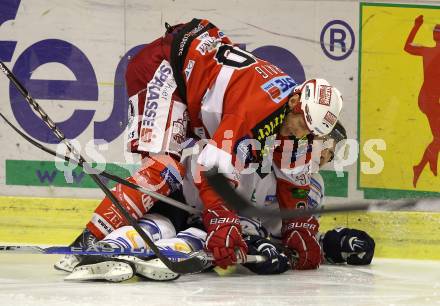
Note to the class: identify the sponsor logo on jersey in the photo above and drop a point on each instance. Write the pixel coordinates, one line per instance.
(189, 69)
(177, 129)
(253, 199)
(146, 135)
(104, 226)
(329, 119)
(156, 109)
(172, 178)
(267, 128)
(302, 179)
(325, 95)
(298, 193)
(271, 198)
(131, 112)
(132, 126)
(154, 89)
(187, 36)
(207, 43)
(312, 203)
(301, 205)
(279, 88)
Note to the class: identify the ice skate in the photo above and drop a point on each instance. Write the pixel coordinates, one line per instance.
(101, 268)
(67, 263)
(120, 268)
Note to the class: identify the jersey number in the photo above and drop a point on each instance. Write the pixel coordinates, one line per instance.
(234, 57)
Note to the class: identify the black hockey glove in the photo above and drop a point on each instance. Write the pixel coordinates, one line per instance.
(355, 247)
(277, 262)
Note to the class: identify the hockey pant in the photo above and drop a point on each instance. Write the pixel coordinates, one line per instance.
(161, 230)
(161, 174)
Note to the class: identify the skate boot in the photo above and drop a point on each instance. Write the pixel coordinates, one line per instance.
(68, 262)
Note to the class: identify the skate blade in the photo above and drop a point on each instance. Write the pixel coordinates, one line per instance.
(155, 270)
(109, 271)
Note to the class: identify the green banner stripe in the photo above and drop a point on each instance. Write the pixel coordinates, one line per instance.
(335, 186)
(45, 173)
(400, 5)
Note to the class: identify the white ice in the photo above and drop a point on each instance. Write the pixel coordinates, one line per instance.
(31, 280)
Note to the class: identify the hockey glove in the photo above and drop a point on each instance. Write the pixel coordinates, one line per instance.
(299, 236)
(352, 246)
(224, 236)
(277, 262)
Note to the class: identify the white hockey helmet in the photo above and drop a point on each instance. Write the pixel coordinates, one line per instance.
(321, 104)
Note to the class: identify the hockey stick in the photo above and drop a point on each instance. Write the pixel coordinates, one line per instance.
(110, 176)
(93, 250)
(110, 251)
(190, 265)
(221, 185)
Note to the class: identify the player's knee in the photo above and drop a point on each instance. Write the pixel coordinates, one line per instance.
(194, 237)
(125, 237)
(158, 226)
(189, 240)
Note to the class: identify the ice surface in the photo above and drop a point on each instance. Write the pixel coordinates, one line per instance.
(31, 280)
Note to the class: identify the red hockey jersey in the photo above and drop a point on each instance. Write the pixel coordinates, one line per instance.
(238, 101)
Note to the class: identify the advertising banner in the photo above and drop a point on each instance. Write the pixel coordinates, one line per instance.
(72, 55)
(399, 92)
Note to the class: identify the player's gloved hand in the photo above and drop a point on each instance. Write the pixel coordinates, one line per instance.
(299, 236)
(352, 246)
(224, 236)
(277, 262)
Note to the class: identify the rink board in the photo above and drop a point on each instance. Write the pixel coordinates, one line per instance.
(56, 221)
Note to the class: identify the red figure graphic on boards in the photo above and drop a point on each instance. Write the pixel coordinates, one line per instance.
(429, 95)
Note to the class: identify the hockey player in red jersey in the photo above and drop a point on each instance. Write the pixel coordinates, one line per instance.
(193, 82)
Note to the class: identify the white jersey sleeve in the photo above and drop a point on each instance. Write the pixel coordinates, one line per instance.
(315, 197)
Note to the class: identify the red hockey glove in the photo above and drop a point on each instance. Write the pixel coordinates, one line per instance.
(299, 236)
(224, 236)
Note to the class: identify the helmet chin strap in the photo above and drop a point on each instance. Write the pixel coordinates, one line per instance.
(297, 109)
